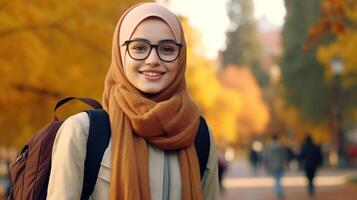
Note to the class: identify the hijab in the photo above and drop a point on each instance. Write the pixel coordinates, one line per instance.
(168, 119)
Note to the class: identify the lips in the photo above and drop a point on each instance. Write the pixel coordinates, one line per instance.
(152, 74)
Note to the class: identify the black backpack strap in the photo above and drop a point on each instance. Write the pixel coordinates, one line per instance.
(202, 145)
(98, 141)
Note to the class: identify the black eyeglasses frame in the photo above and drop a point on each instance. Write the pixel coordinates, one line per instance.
(126, 43)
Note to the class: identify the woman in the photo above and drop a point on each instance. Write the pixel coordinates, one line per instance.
(153, 120)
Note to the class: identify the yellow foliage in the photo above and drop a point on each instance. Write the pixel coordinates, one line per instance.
(289, 115)
(254, 115)
(220, 106)
(51, 49)
(344, 47)
(222, 117)
(48, 50)
(350, 10)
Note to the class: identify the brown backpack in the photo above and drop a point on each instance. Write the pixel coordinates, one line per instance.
(30, 172)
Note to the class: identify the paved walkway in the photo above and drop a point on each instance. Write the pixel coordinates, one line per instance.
(241, 184)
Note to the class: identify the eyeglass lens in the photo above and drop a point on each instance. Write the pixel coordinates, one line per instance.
(167, 51)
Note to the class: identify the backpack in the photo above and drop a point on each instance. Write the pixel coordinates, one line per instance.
(30, 172)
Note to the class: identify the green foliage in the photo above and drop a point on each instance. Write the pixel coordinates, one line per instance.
(302, 75)
(242, 47)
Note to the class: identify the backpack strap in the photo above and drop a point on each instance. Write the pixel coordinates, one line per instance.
(202, 145)
(98, 141)
(91, 102)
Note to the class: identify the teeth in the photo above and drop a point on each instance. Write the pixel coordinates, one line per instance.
(152, 73)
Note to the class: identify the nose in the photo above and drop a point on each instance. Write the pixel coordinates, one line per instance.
(153, 59)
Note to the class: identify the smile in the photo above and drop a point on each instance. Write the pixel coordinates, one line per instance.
(152, 75)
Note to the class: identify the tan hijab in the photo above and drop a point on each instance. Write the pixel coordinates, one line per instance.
(168, 120)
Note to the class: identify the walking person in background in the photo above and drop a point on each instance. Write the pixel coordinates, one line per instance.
(311, 159)
(222, 167)
(8, 186)
(4, 176)
(290, 157)
(254, 160)
(275, 161)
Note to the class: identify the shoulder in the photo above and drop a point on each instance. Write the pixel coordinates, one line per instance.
(78, 121)
(74, 130)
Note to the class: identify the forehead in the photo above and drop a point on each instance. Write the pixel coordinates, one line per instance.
(154, 30)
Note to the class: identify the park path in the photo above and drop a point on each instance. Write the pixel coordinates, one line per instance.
(241, 184)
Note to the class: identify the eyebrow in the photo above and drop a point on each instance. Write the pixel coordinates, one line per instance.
(165, 40)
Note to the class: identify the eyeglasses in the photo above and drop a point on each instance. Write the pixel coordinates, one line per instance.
(140, 49)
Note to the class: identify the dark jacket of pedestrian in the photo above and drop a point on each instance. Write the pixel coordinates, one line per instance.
(310, 157)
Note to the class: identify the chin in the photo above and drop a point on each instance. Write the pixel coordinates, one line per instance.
(151, 90)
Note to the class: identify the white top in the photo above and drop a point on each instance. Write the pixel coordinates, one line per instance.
(67, 167)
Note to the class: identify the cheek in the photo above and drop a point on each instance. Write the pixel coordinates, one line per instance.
(173, 67)
(130, 65)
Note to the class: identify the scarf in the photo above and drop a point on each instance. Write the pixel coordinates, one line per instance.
(168, 120)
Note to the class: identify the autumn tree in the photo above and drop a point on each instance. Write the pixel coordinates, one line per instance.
(302, 75)
(242, 46)
(294, 129)
(339, 18)
(254, 115)
(48, 50)
(336, 16)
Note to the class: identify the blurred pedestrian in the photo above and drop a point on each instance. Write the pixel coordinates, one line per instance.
(290, 155)
(254, 160)
(275, 161)
(8, 186)
(352, 155)
(310, 158)
(222, 167)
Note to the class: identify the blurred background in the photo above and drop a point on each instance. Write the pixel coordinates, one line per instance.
(257, 68)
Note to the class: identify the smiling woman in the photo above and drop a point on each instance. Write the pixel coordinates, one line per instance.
(161, 148)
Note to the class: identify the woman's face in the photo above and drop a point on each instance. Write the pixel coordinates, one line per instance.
(150, 75)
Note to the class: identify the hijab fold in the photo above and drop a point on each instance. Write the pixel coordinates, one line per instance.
(168, 120)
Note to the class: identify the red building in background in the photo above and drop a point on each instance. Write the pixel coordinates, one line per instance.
(269, 36)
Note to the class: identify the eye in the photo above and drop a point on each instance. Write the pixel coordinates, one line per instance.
(167, 48)
(139, 48)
